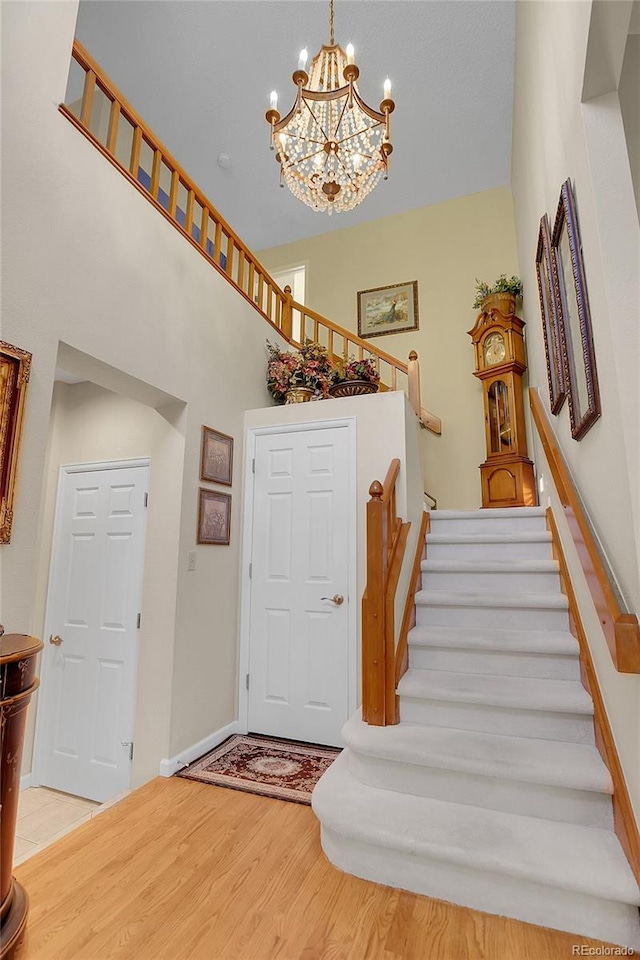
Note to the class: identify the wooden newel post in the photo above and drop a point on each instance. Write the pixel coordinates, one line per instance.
(18, 681)
(413, 374)
(373, 611)
(287, 318)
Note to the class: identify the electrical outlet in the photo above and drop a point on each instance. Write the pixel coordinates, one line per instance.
(191, 560)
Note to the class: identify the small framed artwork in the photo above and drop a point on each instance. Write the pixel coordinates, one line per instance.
(392, 309)
(576, 335)
(214, 517)
(216, 457)
(547, 293)
(15, 367)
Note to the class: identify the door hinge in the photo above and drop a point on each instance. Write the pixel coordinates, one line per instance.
(247, 681)
(253, 465)
(146, 499)
(128, 743)
(250, 571)
(138, 620)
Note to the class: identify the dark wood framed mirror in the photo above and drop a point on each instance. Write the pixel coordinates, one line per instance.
(549, 311)
(576, 335)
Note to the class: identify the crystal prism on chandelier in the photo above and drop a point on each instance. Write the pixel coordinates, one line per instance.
(332, 147)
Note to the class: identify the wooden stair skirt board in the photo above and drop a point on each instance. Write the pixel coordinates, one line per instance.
(491, 792)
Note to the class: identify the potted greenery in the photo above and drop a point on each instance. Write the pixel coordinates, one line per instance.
(300, 376)
(353, 378)
(501, 295)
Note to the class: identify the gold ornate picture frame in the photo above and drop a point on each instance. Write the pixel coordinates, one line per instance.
(216, 457)
(15, 368)
(214, 517)
(391, 309)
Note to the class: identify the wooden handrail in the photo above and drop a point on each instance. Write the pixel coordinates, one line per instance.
(409, 615)
(620, 627)
(624, 820)
(206, 229)
(386, 543)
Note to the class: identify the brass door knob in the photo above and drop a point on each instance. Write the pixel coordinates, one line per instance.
(55, 640)
(337, 598)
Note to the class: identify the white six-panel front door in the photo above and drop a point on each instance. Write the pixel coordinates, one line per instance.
(299, 635)
(87, 698)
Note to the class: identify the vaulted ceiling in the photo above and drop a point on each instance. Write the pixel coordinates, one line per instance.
(200, 71)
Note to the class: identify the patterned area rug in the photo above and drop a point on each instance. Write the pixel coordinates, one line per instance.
(272, 768)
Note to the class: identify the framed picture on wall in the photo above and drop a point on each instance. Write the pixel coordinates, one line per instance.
(216, 457)
(15, 367)
(391, 309)
(576, 334)
(214, 517)
(547, 292)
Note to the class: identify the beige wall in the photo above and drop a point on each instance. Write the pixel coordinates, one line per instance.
(444, 247)
(88, 262)
(563, 49)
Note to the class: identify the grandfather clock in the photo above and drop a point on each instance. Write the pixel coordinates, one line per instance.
(507, 474)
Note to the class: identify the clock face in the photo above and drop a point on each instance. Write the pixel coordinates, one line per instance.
(494, 349)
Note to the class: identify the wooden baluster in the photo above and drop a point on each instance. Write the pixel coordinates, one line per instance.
(136, 143)
(87, 98)
(373, 611)
(216, 244)
(173, 194)
(114, 118)
(413, 373)
(155, 174)
(258, 294)
(287, 318)
(204, 226)
(241, 262)
(252, 274)
(316, 330)
(230, 251)
(188, 219)
(394, 372)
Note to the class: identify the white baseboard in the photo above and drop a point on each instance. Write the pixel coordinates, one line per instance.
(25, 781)
(185, 757)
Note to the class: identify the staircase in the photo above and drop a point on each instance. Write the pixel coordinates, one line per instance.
(490, 792)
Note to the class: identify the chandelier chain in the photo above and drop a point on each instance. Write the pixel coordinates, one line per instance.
(332, 38)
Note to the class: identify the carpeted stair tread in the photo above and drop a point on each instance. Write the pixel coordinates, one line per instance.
(463, 598)
(489, 566)
(523, 693)
(490, 513)
(542, 536)
(547, 642)
(574, 766)
(585, 860)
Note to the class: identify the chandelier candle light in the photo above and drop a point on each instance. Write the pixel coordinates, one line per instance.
(332, 147)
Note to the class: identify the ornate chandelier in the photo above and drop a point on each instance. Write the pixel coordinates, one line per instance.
(332, 147)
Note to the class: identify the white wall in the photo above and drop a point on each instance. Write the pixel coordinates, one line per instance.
(564, 48)
(89, 263)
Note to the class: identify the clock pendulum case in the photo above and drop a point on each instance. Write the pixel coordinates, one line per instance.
(507, 475)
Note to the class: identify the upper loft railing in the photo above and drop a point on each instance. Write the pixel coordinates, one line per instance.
(104, 116)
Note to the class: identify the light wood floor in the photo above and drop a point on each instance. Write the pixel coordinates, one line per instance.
(186, 871)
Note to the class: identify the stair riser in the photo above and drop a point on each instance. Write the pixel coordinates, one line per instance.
(509, 721)
(509, 796)
(490, 892)
(511, 550)
(499, 664)
(498, 618)
(478, 581)
(486, 525)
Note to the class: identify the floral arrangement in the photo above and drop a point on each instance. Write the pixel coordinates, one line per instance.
(309, 367)
(356, 370)
(512, 285)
